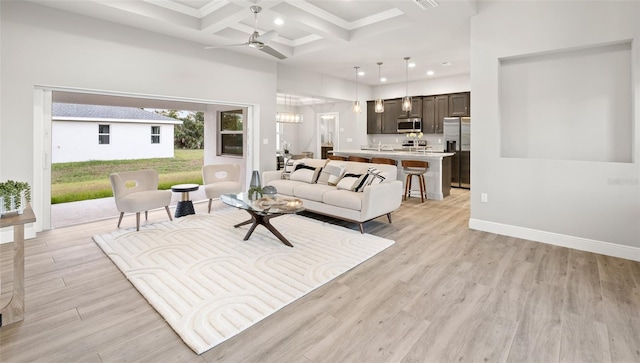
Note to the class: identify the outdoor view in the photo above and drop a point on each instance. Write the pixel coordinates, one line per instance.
(76, 181)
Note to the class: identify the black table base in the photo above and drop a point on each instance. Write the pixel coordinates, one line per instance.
(258, 219)
(184, 208)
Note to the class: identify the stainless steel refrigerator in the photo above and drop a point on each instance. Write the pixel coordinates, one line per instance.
(457, 138)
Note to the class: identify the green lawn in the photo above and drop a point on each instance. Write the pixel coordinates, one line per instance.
(90, 179)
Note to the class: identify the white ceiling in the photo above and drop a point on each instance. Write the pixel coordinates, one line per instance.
(326, 36)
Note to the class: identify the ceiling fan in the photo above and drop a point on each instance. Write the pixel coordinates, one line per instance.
(256, 40)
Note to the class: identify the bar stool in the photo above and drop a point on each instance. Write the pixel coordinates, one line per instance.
(336, 157)
(358, 158)
(383, 161)
(415, 168)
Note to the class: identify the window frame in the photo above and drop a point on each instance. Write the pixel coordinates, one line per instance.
(222, 133)
(103, 134)
(155, 135)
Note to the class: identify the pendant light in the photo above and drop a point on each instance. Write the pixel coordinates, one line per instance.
(287, 116)
(379, 107)
(406, 100)
(356, 103)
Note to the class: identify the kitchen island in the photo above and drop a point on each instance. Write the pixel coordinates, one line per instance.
(437, 177)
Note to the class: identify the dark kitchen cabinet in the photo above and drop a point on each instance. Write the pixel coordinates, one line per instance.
(442, 111)
(383, 123)
(459, 104)
(416, 108)
(429, 115)
(434, 110)
(374, 120)
(392, 109)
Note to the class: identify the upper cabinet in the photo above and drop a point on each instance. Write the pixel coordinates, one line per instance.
(416, 108)
(392, 109)
(374, 120)
(385, 122)
(432, 109)
(442, 111)
(459, 104)
(429, 115)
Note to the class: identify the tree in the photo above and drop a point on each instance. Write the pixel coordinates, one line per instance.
(189, 135)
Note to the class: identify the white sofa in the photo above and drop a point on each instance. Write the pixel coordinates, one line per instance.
(359, 207)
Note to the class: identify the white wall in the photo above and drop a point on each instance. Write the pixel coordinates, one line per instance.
(78, 141)
(42, 46)
(426, 87)
(593, 206)
(594, 86)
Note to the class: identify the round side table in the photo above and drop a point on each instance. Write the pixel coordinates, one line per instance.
(185, 206)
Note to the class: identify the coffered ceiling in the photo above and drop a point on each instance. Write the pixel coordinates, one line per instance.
(325, 36)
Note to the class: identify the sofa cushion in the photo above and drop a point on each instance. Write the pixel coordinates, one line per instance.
(343, 199)
(305, 173)
(284, 186)
(312, 191)
(352, 182)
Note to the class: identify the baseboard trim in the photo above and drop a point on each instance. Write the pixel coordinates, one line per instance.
(6, 234)
(578, 243)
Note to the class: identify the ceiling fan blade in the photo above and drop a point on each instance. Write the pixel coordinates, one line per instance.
(267, 49)
(225, 46)
(267, 36)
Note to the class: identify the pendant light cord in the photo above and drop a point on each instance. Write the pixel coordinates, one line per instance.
(379, 93)
(406, 60)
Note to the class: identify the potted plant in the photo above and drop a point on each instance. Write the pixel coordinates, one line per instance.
(13, 195)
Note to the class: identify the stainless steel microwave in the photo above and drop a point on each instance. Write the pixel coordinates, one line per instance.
(406, 125)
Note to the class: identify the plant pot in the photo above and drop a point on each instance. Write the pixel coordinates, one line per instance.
(11, 207)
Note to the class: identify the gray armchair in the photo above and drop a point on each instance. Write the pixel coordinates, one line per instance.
(220, 179)
(137, 191)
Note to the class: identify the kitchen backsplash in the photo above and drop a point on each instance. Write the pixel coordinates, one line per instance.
(434, 141)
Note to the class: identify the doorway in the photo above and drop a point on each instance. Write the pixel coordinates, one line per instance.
(328, 138)
(45, 96)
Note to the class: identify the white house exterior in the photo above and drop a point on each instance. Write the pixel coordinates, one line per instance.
(92, 132)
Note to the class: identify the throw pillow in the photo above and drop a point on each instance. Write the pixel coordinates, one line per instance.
(330, 175)
(375, 176)
(353, 182)
(305, 173)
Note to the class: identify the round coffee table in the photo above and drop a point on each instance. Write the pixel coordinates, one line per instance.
(185, 205)
(262, 210)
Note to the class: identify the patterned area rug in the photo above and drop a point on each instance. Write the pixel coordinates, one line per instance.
(210, 285)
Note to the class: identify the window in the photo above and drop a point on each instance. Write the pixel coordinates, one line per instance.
(103, 134)
(155, 134)
(231, 133)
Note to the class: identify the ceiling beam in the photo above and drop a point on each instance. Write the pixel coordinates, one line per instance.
(310, 22)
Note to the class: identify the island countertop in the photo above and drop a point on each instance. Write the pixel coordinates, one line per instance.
(392, 154)
(438, 175)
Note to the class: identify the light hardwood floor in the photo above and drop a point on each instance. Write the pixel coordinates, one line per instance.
(442, 293)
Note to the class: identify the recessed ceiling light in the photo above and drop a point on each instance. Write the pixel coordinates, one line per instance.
(278, 21)
(383, 79)
(430, 73)
(445, 63)
(361, 73)
(411, 65)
